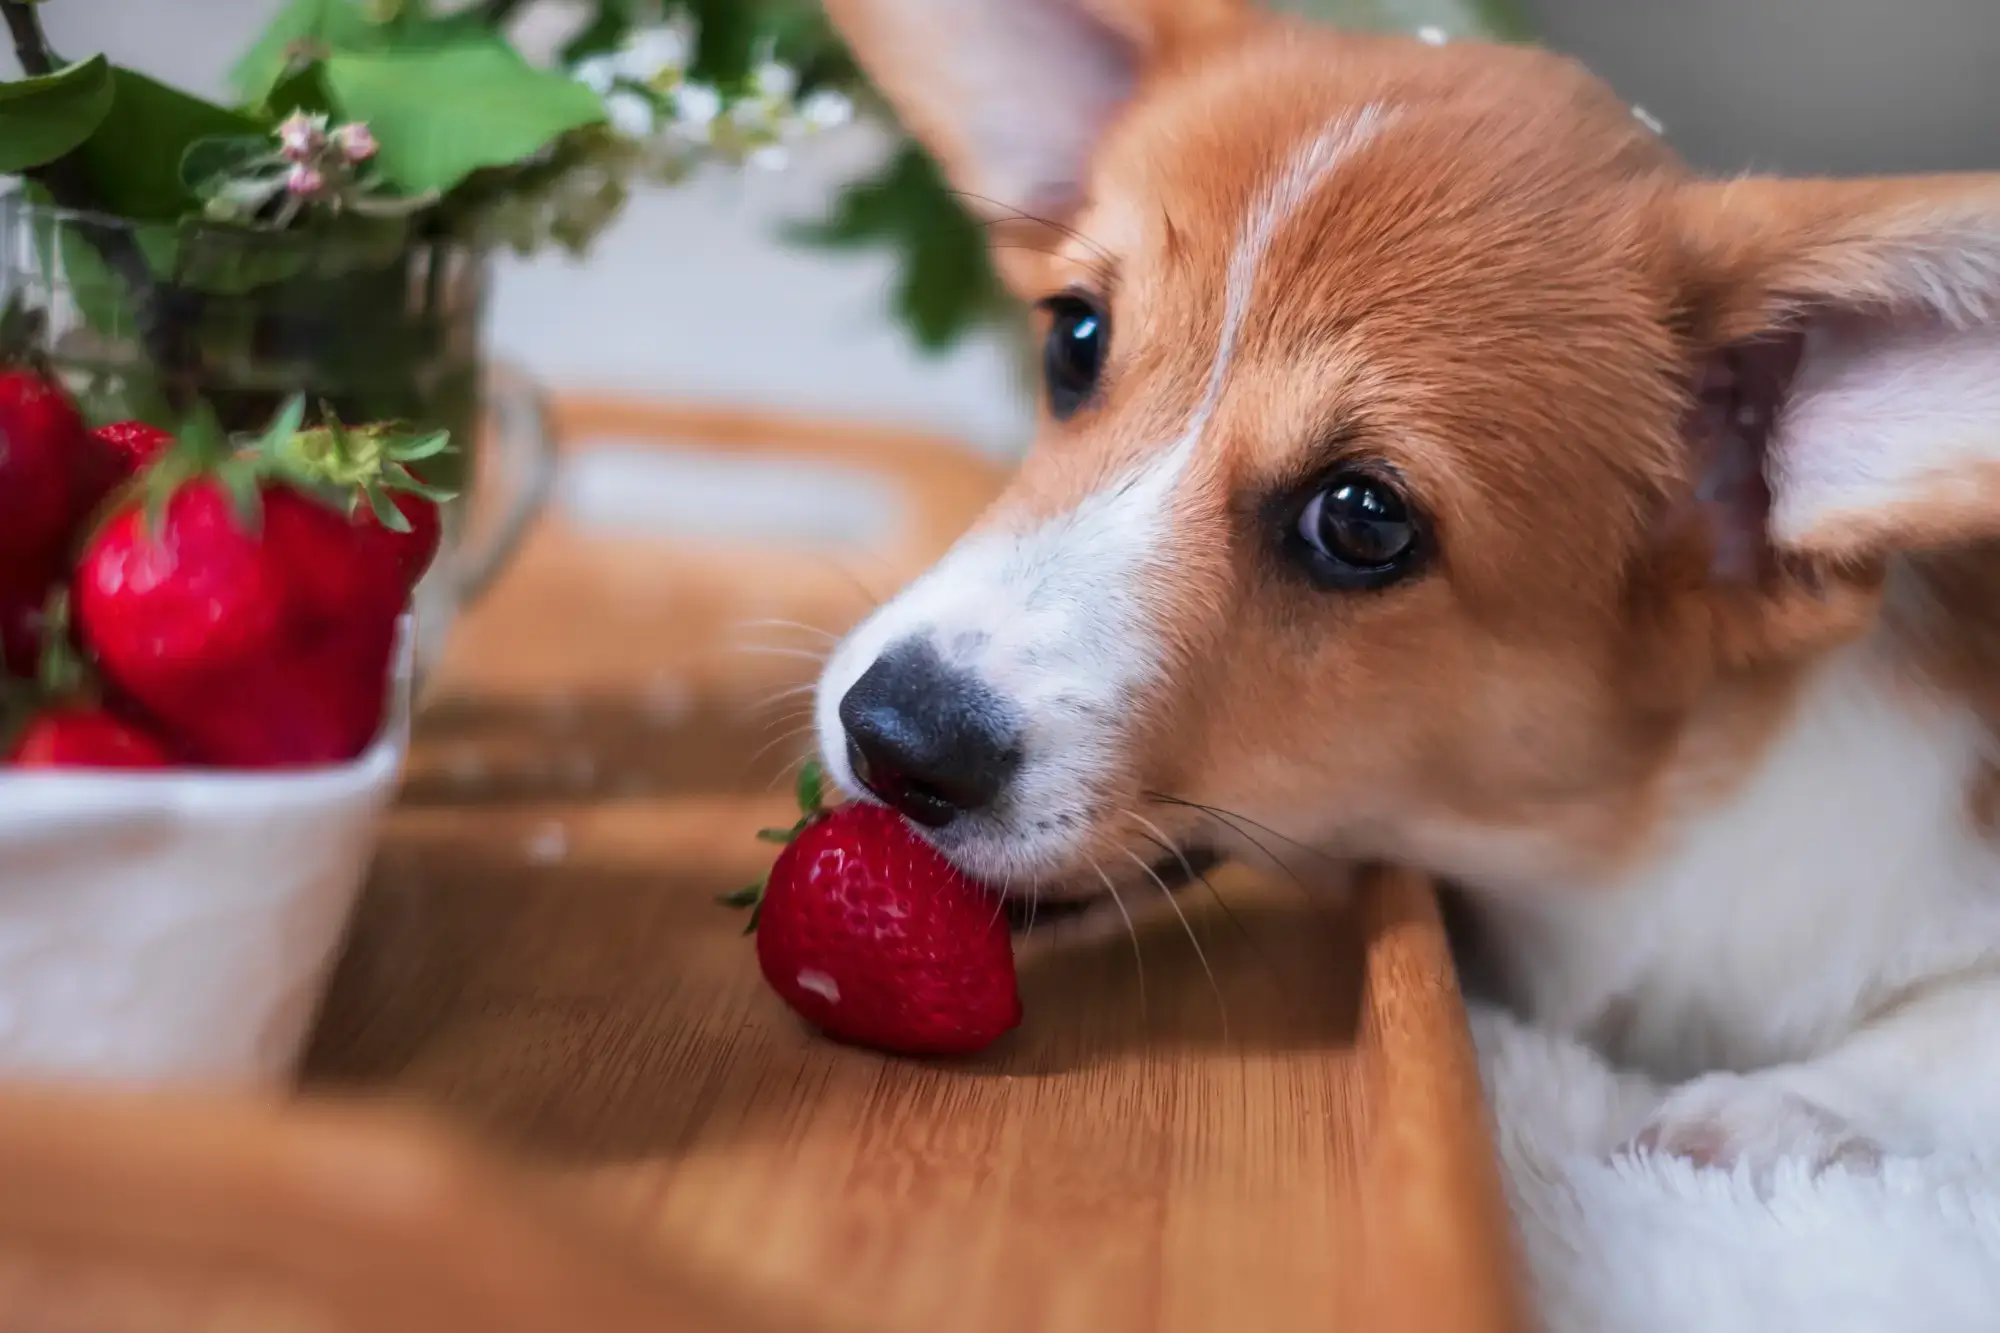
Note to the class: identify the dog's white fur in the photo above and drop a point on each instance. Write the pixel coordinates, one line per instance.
(1857, 967)
(1814, 948)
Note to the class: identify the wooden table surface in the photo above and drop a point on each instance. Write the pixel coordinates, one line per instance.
(538, 960)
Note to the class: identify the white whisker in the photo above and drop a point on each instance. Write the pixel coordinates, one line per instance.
(799, 625)
(1221, 1006)
(796, 733)
(772, 650)
(772, 700)
(1130, 929)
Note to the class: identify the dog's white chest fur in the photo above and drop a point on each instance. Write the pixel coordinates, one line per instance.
(1844, 873)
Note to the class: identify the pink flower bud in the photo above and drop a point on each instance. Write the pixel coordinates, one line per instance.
(301, 136)
(304, 181)
(356, 142)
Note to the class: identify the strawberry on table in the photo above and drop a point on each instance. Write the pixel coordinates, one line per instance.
(868, 933)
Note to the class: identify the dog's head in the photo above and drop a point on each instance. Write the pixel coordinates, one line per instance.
(1422, 447)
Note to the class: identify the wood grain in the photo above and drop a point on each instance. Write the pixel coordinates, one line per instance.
(539, 962)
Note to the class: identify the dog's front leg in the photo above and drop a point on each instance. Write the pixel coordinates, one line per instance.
(1922, 1076)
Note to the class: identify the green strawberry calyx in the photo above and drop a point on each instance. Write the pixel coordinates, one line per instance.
(341, 466)
(811, 791)
(358, 465)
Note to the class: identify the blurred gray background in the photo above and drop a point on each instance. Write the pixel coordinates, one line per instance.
(694, 295)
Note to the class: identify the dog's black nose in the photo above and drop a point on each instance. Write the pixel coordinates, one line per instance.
(928, 740)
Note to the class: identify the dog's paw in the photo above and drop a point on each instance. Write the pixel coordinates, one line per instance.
(1753, 1121)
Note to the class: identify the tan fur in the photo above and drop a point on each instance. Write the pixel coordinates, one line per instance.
(1504, 298)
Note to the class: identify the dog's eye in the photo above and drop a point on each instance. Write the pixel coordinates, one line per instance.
(1073, 356)
(1356, 532)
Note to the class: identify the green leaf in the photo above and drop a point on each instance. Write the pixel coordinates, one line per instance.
(728, 36)
(69, 262)
(442, 114)
(331, 25)
(43, 118)
(811, 787)
(303, 89)
(606, 29)
(947, 285)
(134, 159)
(756, 914)
(206, 160)
(232, 261)
(781, 836)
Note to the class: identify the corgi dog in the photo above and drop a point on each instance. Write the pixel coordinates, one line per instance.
(1433, 470)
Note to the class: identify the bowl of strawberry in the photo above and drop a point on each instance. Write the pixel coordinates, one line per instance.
(204, 709)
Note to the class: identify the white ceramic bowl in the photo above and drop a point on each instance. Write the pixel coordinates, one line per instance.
(181, 926)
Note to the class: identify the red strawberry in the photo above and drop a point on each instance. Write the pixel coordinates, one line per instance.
(131, 445)
(394, 512)
(64, 723)
(84, 736)
(41, 439)
(116, 454)
(244, 615)
(237, 637)
(868, 933)
(409, 553)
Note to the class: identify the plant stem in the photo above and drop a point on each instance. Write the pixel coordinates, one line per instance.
(31, 47)
(69, 185)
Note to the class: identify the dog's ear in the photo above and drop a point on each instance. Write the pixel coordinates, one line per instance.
(1848, 404)
(1012, 95)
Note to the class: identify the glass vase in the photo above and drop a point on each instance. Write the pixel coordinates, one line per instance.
(141, 319)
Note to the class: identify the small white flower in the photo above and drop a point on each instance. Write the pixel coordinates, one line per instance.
(770, 157)
(775, 81)
(598, 73)
(652, 52)
(696, 105)
(1432, 35)
(827, 109)
(305, 181)
(630, 113)
(753, 115)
